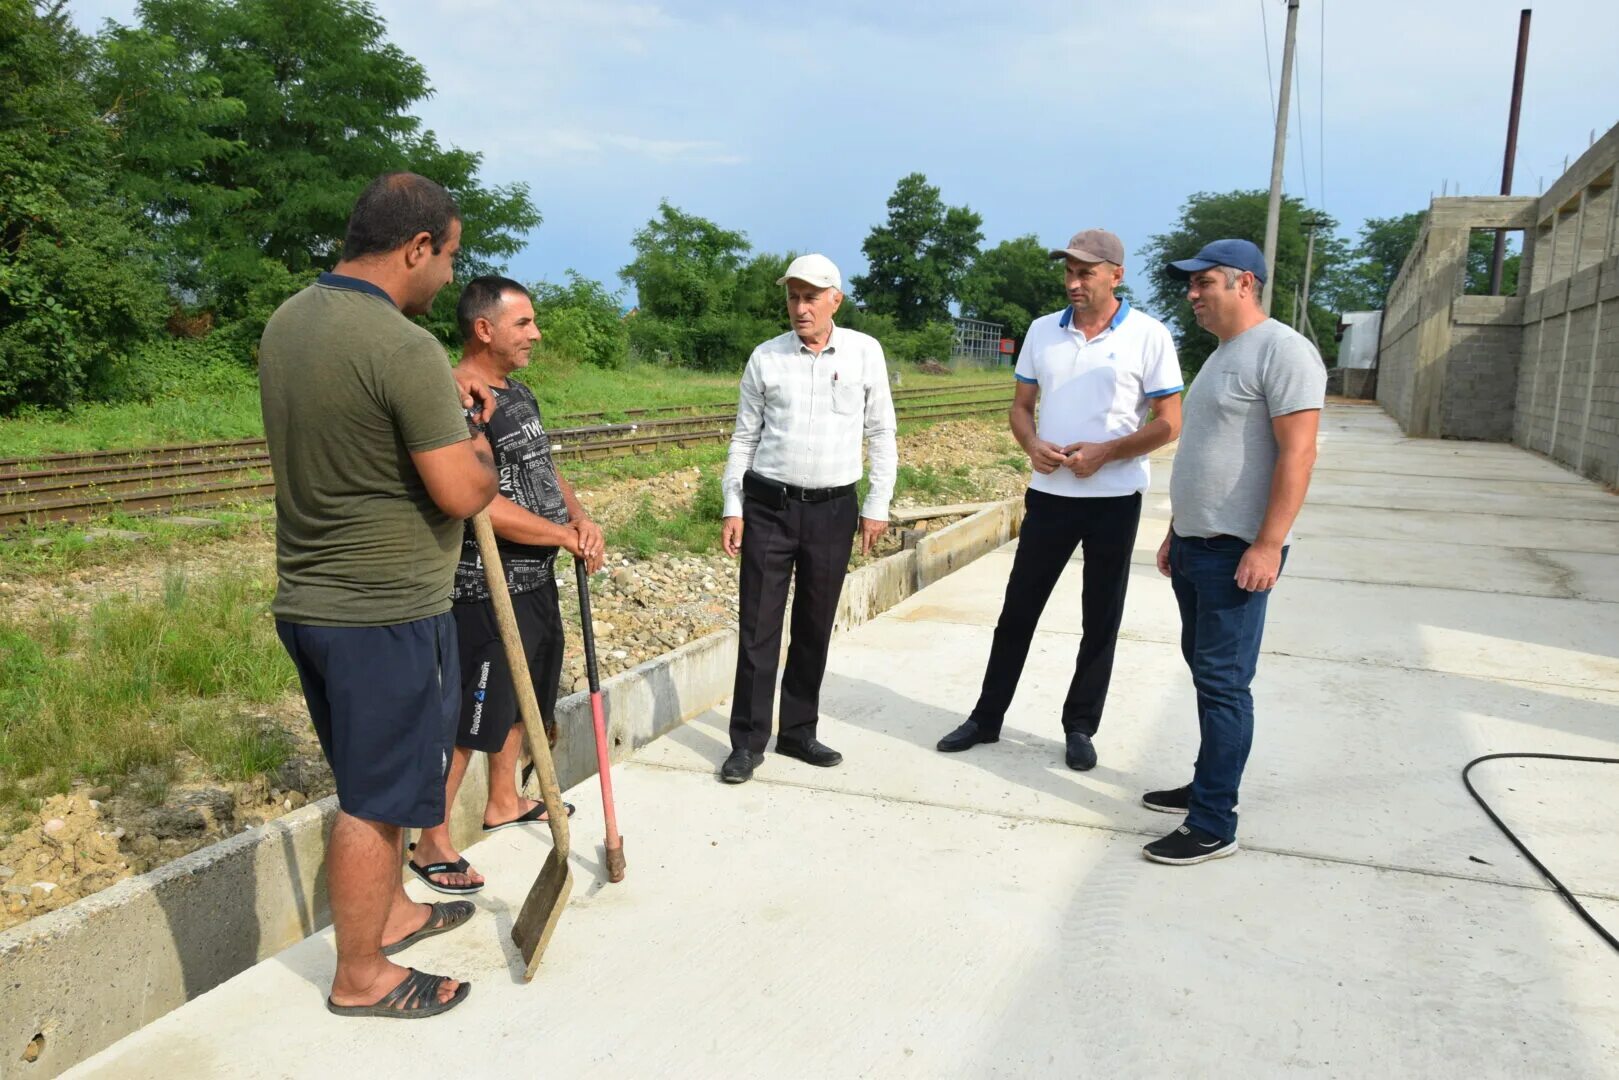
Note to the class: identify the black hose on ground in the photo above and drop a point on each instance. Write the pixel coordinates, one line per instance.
(1579, 908)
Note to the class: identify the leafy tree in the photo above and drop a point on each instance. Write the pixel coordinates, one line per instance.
(1208, 216)
(580, 321)
(77, 287)
(295, 105)
(918, 259)
(701, 303)
(168, 120)
(1480, 250)
(1013, 283)
(685, 266)
(1376, 260)
(758, 295)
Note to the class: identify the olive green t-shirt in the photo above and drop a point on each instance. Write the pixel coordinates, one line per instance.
(350, 387)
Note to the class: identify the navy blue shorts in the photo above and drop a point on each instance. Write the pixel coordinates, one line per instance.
(488, 696)
(384, 701)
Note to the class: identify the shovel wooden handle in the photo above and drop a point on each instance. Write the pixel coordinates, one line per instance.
(528, 707)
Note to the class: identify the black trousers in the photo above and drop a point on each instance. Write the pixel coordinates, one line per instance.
(807, 543)
(1053, 526)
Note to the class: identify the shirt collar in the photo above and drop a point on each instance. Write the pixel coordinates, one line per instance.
(354, 284)
(1113, 323)
(831, 341)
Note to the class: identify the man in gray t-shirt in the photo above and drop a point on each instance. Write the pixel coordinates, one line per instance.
(1241, 470)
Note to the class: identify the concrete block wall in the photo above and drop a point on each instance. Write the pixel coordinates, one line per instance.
(1481, 372)
(1541, 369)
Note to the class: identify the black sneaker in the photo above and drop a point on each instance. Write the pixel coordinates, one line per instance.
(1187, 845)
(1174, 801)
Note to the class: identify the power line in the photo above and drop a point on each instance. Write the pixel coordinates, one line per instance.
(1321, 106)
(1270, 78)
(1304, 172)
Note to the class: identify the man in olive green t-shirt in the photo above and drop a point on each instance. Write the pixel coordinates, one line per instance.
(375, 471)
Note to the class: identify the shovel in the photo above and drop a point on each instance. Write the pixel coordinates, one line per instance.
(549, 893)
(614, 844)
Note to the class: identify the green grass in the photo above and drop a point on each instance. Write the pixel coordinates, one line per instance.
(927, 484)
(652, 529)
(53, 552)
(230, 408)
(139, 683)
(229, 414)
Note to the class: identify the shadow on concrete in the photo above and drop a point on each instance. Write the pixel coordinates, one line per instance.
(1021, 758)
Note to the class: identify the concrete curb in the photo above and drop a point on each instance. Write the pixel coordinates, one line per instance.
(88, 974)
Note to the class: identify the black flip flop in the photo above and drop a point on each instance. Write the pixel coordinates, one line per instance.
(533, 817)
(444, 916)
(416, 998)
(459, 866)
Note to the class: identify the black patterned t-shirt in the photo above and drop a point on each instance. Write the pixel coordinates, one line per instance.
(529, 479)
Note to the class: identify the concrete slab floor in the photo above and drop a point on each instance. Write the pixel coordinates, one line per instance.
(988, 914)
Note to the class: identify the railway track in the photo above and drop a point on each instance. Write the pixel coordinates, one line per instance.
(72, 487)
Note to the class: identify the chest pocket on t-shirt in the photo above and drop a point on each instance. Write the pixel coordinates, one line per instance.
(847, 397)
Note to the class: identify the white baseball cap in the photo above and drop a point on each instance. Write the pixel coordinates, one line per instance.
(817, 270)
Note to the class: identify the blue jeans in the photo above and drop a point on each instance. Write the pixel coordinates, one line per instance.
(1221, 627)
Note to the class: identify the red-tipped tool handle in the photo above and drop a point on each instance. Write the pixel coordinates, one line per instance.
(614, 844)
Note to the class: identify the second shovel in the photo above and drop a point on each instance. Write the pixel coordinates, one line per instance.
(614, 844)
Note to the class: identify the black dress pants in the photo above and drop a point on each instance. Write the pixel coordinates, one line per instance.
(1053, 526)
(807, 543)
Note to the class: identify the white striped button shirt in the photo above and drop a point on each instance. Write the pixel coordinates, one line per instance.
(801, 418)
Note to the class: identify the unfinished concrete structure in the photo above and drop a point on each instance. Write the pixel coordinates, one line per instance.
(1541, 368)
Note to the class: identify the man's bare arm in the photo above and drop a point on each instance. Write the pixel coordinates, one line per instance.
(1290, 480)
(460, 478)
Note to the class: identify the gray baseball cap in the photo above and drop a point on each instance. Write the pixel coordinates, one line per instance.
(1093, 245)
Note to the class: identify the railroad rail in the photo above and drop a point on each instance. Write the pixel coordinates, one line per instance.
(73, 487)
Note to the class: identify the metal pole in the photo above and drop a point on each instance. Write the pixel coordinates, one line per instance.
(1499, 253)
(1273, 213)
(1309, 258)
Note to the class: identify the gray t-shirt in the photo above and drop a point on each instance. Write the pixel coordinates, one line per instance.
(1220, 484)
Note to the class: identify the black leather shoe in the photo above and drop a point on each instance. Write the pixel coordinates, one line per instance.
(738, 768)
(1081, 754)
(814, 752)
(965, 737)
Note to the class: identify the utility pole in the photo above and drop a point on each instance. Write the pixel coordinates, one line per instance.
(1512, 146)
(1302, 316)
(1273, 214)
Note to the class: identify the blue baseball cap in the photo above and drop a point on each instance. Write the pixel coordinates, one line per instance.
(1237, 254)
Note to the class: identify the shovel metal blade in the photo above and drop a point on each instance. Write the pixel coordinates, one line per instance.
(541, 911)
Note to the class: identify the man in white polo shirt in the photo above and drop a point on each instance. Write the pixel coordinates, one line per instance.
(809, 399)
(1097, 368)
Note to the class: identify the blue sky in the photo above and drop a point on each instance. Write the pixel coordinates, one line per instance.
(792, 122)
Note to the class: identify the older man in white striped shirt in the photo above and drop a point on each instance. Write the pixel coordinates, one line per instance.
(809, 399)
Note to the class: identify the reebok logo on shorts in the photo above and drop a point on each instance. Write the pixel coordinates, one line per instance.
(478, 696)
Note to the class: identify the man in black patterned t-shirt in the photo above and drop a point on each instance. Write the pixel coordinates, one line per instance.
(535, 513)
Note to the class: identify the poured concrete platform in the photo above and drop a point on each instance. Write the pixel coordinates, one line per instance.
(988, 914)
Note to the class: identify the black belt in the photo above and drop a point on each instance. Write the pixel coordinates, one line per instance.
(775, 493)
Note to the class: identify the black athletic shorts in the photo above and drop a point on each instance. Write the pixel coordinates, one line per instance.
(384, 700)
(488, 698)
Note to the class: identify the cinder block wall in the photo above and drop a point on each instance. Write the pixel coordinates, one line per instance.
(1567, 400)
(1481, 372)
(1540, 369)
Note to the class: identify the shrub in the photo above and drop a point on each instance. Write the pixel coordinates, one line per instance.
(580, 321)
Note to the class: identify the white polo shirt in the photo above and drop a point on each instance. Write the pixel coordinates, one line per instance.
(1093, 390)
